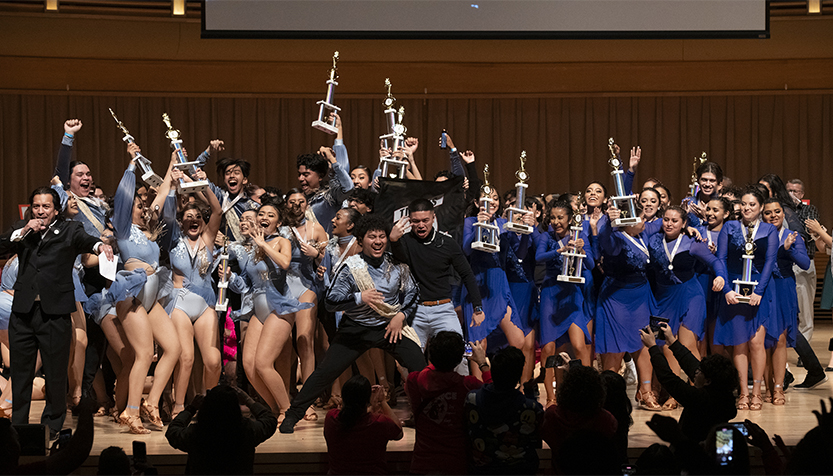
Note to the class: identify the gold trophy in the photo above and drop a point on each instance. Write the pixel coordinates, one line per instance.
(188, 167)
(148, 175)
(488, 234)
(393, 167)
(628, 212)
(326, 107)
(519, 208)
(694, 188)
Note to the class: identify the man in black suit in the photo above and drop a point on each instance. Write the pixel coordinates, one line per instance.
(43, 300)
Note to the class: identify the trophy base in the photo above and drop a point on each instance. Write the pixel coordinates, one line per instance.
(324, 127)
(485, 247)
(193, 187)
(151, 179)
(744, 299)
(620, 222)
(221, 307)
(570, 279)
(518, 228)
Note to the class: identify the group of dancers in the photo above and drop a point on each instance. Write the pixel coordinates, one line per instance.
(284, 256)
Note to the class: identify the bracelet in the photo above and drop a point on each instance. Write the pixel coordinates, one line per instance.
(484, 364)
(68, 135)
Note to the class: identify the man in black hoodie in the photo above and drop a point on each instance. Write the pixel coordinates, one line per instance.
(503, 424)
(710, 400)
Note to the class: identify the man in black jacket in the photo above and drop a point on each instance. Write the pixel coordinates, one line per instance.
(43, 300)
(711, 400)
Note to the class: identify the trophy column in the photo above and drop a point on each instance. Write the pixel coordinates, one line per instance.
(391, 166)
(488, 234)
(629, 210)
(148, 175)
(189, 168)
(572, 262)
(744, 287)
(222, 286)
(326, 107)
(518, 209)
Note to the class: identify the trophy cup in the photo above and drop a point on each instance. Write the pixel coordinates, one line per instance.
(188, 167)
(391, 166)
(222, 286)
(148, 175)
(522, 177)
(487, 233)
(694, 188)
(745, 287)
(628, 215)
(572, 262)
(326, 107)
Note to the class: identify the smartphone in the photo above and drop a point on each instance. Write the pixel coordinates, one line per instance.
(724, 445)
(444, 140)
(469, 350)
(554, 361)
(140, 454)
(628, 469)
(830, 345)
(741, 426)
(655, 322)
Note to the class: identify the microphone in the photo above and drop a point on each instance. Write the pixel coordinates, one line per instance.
(30, 230)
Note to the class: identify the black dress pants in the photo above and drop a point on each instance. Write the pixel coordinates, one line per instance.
(350, 341)
(51, 335)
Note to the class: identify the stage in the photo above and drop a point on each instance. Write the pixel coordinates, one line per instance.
(305, 451)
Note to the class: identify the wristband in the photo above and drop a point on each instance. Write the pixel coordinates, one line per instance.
(478, 309)
(68, 135)
(484, 364)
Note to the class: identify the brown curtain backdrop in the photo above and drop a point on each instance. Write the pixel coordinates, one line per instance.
(565, 138)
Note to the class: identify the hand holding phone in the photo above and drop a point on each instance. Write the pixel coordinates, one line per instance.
(444, 140)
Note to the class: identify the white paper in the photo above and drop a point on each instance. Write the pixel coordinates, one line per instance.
(106, 267)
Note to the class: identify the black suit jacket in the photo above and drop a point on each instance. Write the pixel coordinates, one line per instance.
(46, 265)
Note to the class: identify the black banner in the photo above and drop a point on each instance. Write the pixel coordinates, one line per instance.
(448, 197)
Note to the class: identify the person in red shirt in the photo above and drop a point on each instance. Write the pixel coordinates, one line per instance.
(438, 394)
(357, 439)
(579, 410)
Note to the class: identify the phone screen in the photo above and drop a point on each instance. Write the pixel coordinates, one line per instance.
(724, 446)
(468, 350)
(443, 140)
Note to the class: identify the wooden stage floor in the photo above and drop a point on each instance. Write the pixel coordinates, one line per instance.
(305, 450)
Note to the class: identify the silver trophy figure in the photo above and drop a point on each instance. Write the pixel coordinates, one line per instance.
(488, 234)
(393, 166)
(572, 261)
(148, 175)
(325, 122)
(628, 216)
(222, 286)
(744, 287)
(390, 115)
(519, 209)
(190, 168)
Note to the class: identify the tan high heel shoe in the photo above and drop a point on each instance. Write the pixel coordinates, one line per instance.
(670, 404)
(778, 397)
(150, 414)
(134, 423)
(743, 402)
(756, 403)
(649, 402)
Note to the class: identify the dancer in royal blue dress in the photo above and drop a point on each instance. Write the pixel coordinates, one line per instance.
(678, 294)
(564, 312)
(499, 307)
(717, 211)
(625, 302)
(740, 325)
(783, 321)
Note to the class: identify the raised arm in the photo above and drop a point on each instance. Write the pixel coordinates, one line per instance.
(798, 253)
(71, 127)
(123, 203)
(165, 188)
(340, 183)
(454, 157)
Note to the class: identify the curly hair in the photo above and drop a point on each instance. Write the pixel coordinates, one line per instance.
(720, 371)
(581, 391)
(370, 222)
